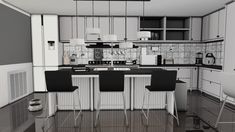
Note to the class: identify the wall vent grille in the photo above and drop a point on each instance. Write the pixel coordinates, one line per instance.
(17, 84)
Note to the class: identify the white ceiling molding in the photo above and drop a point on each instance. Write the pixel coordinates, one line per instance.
(14, 7)
(153, 8)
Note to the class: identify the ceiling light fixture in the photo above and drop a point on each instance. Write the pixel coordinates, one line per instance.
(77, 41)
(143, 35)
(93, 30)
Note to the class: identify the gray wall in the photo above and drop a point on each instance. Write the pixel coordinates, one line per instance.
(15, 37)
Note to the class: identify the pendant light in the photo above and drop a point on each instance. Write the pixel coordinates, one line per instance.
(110, 37)
(143, 35)
(77, 41)
(93, 30)
(125, 45)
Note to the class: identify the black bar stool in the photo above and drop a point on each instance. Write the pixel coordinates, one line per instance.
(61, 82)
(161, 81)
(111, 81)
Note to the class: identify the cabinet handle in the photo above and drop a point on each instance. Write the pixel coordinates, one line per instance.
(217, 36)
(178, 68)
(211, 70)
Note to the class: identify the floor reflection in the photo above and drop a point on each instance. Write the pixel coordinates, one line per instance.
(201, 116)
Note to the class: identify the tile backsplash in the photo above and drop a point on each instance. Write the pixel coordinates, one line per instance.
(181, 53)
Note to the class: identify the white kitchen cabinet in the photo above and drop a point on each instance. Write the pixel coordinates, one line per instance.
(211, 88)
(90, 24)
(205, 28)
(211, 82)
(132, 28)
(222, 18)
(104, 26)
(119, 27)
(51, 41)
(196, 23)
(37, 40)
(66, 28)
(229, 61)
(80, 25)
(213, 25)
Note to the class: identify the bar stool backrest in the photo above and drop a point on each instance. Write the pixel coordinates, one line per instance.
(59, 81)
(162, 80)
(228, 83)
(111, 81)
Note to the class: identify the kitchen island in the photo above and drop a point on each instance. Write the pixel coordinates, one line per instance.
(135, 81)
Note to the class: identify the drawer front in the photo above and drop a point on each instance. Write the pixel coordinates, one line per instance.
(211, 75)
(211, 88)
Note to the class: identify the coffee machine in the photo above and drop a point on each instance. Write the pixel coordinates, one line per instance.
(199, 58)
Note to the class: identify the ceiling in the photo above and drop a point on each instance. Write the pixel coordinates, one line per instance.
(152, 8)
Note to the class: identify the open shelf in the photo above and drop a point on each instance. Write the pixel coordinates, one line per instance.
(156, 34)
(177, 35)
(177, 22)
(151, 22)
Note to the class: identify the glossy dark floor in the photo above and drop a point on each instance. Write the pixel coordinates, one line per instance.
(201, 117)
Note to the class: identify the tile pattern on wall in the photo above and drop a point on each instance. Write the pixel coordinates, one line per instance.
(181, 53)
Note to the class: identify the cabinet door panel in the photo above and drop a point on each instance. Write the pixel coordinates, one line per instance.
(132, 27)
(89, 24)
(205, 28)
(119, 27)
(213, 25)
(196, 28)
(80, 25)
(104, 26)
(37, 40)
(221, 23)
(66, 28)
(229, 63)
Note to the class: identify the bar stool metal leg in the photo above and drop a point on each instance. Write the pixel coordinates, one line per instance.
(176, 112)
(98, 107)
(146, 115)
(74, 107)
(74, 113)
(220, 113)
(124, 102)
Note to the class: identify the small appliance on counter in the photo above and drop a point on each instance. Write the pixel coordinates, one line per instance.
(73, 59)
(168, 61)
(159, 60)
(199, 58)
(210, 59)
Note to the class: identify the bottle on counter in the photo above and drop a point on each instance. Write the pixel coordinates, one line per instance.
(66, 59)
(73, 59)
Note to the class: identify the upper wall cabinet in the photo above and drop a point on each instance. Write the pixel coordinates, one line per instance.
(229, 62)
(68, 27)
(119, 27)
(205, 28)
(214, 25)
(196, 28)
(222, 18)
(132, 28)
